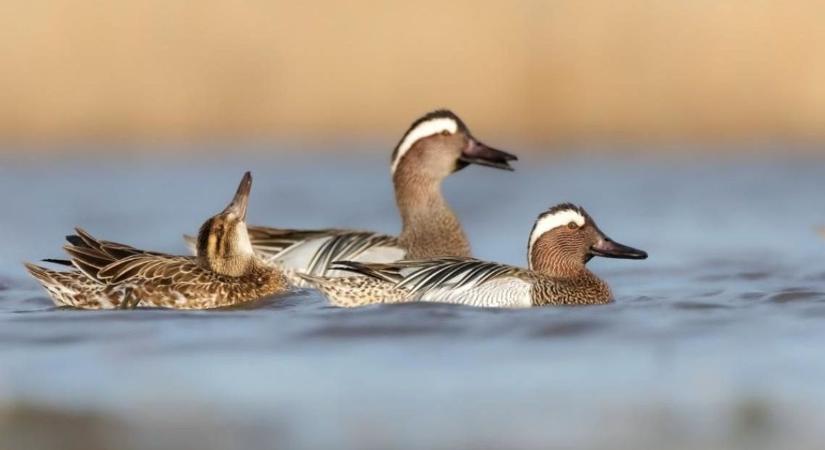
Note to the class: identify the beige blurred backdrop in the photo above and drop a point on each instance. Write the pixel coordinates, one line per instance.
(545, 71)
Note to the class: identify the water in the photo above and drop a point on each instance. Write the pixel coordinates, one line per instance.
(715, 341)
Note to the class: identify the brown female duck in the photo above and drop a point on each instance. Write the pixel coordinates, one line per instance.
(226, 271)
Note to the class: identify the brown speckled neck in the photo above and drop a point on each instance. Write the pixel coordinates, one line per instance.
(430, 227)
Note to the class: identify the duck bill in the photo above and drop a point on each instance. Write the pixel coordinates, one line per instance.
(241, 200)
(608, 248)
(478, 153)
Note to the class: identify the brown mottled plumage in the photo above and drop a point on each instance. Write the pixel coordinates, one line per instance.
(112, 275)
(435, 146)
(563, 240)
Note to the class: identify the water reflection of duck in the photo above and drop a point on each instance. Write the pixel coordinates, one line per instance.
(563, 240)
(434, 147)
(226, 271)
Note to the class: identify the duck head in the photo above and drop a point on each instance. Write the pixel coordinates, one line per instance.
(439, 143)
(565, 238)
(223, 242)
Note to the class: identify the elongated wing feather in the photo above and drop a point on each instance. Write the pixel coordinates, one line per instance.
(430, 278)
(312, 252)
(114, 249)
(274, 242)
(60, 262)
(148, 267)
(354, 246)
(90, 255)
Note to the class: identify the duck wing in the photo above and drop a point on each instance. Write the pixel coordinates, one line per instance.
(90, 255)
(313, 251)
(173, 270)
(454, 280)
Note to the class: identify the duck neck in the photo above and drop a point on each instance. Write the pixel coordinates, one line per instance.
(565, 281)
(557, 268)
(230, 266)
(430, 227)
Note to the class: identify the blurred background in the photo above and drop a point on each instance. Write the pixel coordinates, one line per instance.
(544, 72)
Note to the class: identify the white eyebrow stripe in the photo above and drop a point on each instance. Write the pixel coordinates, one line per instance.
(558, 219)
(422, 130)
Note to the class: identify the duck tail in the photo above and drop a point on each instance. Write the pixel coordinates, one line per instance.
(328, 287)
(71, 288)
(41, 274)
(354, 291)
(50, 280)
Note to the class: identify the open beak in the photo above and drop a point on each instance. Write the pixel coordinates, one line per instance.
(478, 153)
(609, 248)
(241, 200)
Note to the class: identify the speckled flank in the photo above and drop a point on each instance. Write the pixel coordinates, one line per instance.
(351, 292)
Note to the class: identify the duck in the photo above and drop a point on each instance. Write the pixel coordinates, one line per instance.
(434, 147)
(563, 240)
(108, 275)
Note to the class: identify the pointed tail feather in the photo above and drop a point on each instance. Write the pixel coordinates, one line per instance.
(48, 280)
(70, 288)
(41, 274)
(62, 262)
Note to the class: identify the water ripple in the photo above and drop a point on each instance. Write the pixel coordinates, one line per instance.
(790, 296)
(567, 328)
(692, 305)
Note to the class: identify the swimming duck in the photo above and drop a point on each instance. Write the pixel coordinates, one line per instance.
(563, 240)
(109, 275)
(434, 147)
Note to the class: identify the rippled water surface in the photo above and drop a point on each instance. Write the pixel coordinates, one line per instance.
(716, 341)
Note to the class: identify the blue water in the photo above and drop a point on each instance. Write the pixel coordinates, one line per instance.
(716, 341)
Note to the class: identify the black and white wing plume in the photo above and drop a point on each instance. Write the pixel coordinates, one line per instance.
(312, 252)
(451, 280)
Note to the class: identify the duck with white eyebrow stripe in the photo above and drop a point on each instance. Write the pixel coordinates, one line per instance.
(563, 240)
(427, 128)
(434, 147)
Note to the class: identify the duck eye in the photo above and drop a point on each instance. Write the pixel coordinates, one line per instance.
(572, 225)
